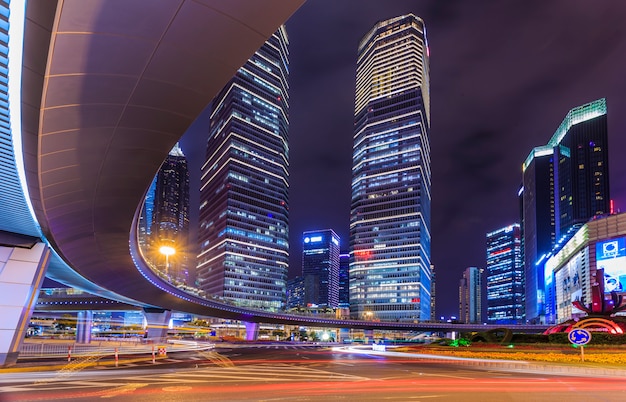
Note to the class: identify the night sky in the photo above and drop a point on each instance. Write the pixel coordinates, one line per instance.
(503, 76)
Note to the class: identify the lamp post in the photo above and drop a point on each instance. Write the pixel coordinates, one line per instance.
(167, 251)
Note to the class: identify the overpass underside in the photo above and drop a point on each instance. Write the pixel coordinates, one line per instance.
(107, 88)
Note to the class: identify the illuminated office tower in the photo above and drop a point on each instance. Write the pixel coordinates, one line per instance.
(144, 226)
(295, 293)
(433, 293)
(320, 268)
(565, 183)
(244, 210)
(505, 276)
(344, 280)
(391, 178)
(170, 216)
(537, 225)
(164, 221)
(470, 296)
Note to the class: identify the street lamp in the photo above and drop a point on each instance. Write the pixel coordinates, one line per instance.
(167, 251)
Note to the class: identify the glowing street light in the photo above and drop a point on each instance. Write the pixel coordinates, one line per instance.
(167, 251)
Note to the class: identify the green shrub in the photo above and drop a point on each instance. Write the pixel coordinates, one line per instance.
(529, 338)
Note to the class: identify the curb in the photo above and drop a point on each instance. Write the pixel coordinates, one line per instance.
(58, 367)
(513, 365)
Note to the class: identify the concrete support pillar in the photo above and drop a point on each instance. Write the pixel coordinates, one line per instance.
(158, 321)
(22, 271)
(343, 334)
(369, 335)
(252, 331)
(83, 326)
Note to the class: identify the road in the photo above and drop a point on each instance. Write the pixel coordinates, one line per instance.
(299, 373)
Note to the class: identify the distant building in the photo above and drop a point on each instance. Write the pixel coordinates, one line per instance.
(170, 218)
(505, 276)
(320, 268)
(538, 226)
(565, 183)
(165, 219)
(344, 280)
(470, 295)
(295, 293)
(391, 180)
(144, 226)
(244, 194)
(433, 315)
(571, 269)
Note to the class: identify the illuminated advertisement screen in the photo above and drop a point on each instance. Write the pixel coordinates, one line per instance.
(611, 255)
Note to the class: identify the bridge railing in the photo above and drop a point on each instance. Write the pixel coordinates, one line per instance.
(103, 348)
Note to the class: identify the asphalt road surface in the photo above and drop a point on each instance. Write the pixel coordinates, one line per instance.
(298, 373)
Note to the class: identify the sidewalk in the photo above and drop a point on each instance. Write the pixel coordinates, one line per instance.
(99, 355)
(78, 363)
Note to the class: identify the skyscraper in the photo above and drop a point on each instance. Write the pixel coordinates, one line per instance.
(565, 183)
(505, 276)
(470, 296)
(344, 280)
(144, 226)
(165, 219)
(320, 267)
(582, 152)
(295, 293)
(244, 199)
(433, 293)
(390, 207)
(538, 222)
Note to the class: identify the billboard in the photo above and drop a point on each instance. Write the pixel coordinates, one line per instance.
(611, 256)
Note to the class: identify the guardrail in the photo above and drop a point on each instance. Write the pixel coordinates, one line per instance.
(34, 350)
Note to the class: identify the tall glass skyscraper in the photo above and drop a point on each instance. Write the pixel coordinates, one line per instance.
(165, 219)
(505, 276)
(470, 296)
(538, 225)
(344, 280)
(565, 183)
(170, 217)
(244, 199)
(320, 267)
(391, 178)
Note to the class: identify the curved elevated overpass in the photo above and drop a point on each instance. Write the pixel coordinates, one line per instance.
(108, 88)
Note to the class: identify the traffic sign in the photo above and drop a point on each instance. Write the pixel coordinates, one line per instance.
(579, 336)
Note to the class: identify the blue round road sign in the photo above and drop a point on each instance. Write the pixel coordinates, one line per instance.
(579, 336)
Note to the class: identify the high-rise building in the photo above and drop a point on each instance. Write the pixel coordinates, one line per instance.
(505, 276)
(295, 293)
(170, 217)
(470, 296)
(320, 268)
(144, 227)
(344, 280)
(164, 222)
(565, 183)
(244, 199)
(538, 222)
(433, 294)
(391, 178)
